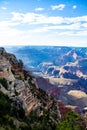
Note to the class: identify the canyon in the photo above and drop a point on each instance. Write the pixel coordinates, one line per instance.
(43, 91)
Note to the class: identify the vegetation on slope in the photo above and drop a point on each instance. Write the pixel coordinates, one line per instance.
(12, 118)
(72, 121)
(4, 83)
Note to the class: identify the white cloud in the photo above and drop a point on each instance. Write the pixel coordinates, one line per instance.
(34, 18)
(8, 24)
(58, 7)
(42, 29)
(81, 33)
(73, 33)
(17, 16)
(41, 21)
(3, 8)
(74, 6)
(39, 9)
(67, 33)
(75, 19)
(11, 36)
(84, 25)
(75, 26)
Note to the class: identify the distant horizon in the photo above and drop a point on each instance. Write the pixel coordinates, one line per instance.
(42, 46)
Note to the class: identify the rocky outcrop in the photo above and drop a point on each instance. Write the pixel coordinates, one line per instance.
(18, 89)
(5, 69)
(78, 98)
(22, 88)
(45, 85)
(10, 57)
(2, 51)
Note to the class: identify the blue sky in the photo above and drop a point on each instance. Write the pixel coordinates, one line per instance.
(43, 22)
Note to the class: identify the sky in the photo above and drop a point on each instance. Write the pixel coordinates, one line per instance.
(43, 22)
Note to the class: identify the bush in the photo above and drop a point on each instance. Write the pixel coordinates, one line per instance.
(72, 121)
(4, 104)
(4, 83)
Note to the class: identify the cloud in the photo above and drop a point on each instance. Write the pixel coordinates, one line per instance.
(17, 16)
(34, 18)
(74, 6)
(41, 36)
(37, 19)
(75, 19)
(3, 8)
(75, 34)
(67, 33)
(84, 25)
(39, 9)
(58, 7)
(8, 24)
(41, 30)
(10, 35)
(55, 29)
(75, 26)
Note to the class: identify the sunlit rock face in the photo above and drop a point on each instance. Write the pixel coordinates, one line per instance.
(78, 97)
(5, 69)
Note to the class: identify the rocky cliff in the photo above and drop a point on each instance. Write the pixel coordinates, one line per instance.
(20, 87)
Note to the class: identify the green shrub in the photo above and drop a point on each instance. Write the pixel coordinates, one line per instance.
(4, 83)
(72, 121)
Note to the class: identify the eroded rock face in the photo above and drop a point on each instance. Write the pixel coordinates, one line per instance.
(44, 84)
(5, 69)
(18, 90)
(22, 89)
(77, 94)
(2, 51)
(11, 57)
(78, 98)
